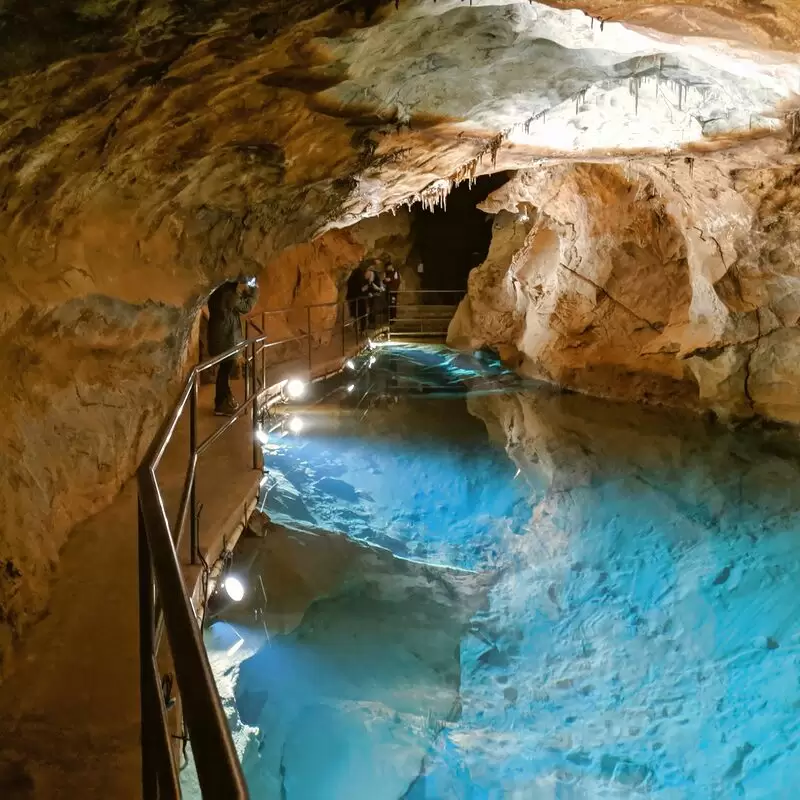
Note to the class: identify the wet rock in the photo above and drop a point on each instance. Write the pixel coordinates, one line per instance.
(723, 576)
(364, 700)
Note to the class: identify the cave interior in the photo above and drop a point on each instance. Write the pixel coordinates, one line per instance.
(613, 184)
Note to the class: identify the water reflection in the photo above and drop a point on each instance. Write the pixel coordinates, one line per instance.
(632, 625)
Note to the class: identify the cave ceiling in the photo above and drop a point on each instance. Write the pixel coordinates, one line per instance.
(306, 115)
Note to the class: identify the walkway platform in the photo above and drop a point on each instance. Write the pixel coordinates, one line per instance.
(69, 710)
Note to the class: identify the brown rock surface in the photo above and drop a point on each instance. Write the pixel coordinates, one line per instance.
(148, 151)
(673, 283)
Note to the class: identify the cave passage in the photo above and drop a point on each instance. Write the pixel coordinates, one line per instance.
(488, 588)
(454, 239)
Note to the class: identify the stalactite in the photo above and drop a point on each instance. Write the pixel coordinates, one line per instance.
(494, 146)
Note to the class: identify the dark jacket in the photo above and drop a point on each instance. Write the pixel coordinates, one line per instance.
(355, 284)
(391, 279)
(225, 305)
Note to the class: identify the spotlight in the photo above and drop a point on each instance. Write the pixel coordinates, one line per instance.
(295, 388)
(350, 364)
(234, 588)
(351, 387)
(372, 360)
(261, 436)
(296, 424)
(523, 217)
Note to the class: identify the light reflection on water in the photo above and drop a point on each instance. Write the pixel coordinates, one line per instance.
(640, 634)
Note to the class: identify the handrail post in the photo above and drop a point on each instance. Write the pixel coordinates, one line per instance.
(264, 367)
(308, 313)
(148, 718)
(194, 544)
(255, 408)
(246, 372)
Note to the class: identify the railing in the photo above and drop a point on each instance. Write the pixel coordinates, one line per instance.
(164, 603)
(424, 313)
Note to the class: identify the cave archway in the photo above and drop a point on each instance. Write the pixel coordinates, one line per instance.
(451, 240)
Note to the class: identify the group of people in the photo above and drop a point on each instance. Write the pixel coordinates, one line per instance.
(372, 297)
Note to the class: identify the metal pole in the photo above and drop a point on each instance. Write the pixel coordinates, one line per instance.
(148, 717)
(255, 409)
(246, 373)
(308, 312)
(194, 544)
(344, 314)
(263, 366)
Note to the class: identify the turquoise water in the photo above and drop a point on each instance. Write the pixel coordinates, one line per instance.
(569, 598)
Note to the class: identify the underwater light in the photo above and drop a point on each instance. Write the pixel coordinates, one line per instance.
(234, 588)
(351, 387)
(350, 364)
(296, 424)
(295, 388)
(261, 436)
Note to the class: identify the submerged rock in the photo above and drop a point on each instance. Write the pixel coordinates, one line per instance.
(358, 668)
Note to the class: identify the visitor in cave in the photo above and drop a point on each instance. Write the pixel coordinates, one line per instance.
(357, 298)
(376, 300)
(226, 304)
(391, 280)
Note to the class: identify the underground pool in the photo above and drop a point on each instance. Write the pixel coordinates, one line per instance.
(473, 587)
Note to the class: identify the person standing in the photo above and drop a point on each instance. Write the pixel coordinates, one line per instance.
(391, 280)
(225, 307)
(356, 298)
(373, 289)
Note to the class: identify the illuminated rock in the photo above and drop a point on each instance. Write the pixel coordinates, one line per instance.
(149, 151)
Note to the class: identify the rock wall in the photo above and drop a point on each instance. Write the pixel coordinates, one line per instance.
(655, 281)
(150, 150)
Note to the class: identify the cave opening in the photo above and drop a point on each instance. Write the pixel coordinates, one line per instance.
(453, 239)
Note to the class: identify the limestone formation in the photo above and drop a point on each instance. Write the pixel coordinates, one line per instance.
(670, 283)
(150, 150)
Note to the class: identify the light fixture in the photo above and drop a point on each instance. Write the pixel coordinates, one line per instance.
(261, 436)
(351, 387)
(295, 388)
(372, 360)
(234, 588)
(523, 217)
(296, 424)
(350, 364)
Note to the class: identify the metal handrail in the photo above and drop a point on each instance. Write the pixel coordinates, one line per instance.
(161, 586)
(165, 604)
